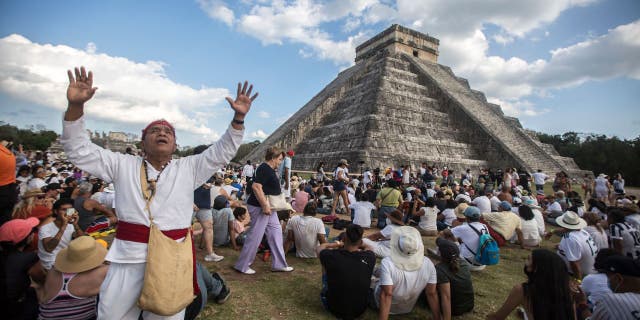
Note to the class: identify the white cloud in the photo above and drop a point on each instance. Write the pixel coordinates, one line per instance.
(217, 10)
(264, 115)
(91, 48)
(129, 92)
(259, 134)
(464, 45)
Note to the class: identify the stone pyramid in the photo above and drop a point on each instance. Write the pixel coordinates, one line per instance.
(398, 106)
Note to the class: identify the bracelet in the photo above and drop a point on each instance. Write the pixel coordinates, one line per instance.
(236, 121)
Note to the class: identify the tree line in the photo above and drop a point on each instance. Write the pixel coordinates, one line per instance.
(599, 153)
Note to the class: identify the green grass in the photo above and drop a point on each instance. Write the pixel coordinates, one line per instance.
(295, 295)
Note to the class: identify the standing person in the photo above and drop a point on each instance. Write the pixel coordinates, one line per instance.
(406, 175)
(169, 201)
(367, 177)
(341, 179)
(618, 185)
(454, 280)
(546, 293)
(202, 201)
(320, 175)
(346, 274)
(8, 186)
(576, 247)
(523, 179)
(587, 186)
(264, 219)
(284, 172)
(539, 178)
(247, 171)
(404, 275)
(601, 187)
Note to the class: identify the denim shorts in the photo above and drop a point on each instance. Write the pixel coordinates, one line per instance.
(204, 215)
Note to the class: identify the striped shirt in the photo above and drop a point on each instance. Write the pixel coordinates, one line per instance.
(629, 236)
(67, 306)
(618, 306)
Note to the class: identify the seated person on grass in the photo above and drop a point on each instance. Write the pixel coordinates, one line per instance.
(454, 280)
(505, 223)
(239, 229)
(346, 274)
(222, 221)
(404, 275)
(361, 211)
(306, 232)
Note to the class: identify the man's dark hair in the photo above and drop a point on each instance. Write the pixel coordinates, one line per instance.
(61, 202)
(354, 233)
(616, 215)
(525, 213)
(68, 180)
(310, 209)
(248, 161)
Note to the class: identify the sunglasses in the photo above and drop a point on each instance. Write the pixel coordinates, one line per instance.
(40, 197)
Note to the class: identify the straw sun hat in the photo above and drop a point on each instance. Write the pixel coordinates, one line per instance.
(571, 220)
(82, 254)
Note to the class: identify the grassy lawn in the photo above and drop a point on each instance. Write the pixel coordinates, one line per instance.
(295, 295)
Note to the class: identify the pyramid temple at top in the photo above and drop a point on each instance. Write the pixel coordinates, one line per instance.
(398, 106)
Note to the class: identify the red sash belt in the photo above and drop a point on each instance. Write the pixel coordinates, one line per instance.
(140, 233)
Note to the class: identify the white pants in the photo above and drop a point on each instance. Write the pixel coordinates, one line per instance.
(120, 291)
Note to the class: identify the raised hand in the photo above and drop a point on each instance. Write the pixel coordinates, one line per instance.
(80, 88)
(242, 103)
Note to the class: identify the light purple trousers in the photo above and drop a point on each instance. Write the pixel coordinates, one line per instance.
(261, 224)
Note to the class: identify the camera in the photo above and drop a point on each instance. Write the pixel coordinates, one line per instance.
(70, 211)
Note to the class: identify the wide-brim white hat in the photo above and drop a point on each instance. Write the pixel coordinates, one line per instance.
(407, 249)
(571, 220)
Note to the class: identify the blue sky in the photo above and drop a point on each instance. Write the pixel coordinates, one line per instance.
(557, 65)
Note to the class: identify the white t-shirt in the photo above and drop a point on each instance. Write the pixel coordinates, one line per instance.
(431, 193)
(449, 216)
(630, 238)
(539, 177)
(49, 230)
(578, 246)
(495, 204)
(407, 285)
(483, 203)
(554, 207)
(366, 177)
(247, 171)
(600, 238)
(530, 232)
(537, 215)
(428, 220)
(305, 232)
(362, 213)
(342, 173)
(405, 177)
(469, 238)
(595, 286)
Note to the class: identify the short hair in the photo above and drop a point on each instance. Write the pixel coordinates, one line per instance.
(354, 233)
(60, 202)
(85, 188)
(310, 209)
(616, 215)
(272, 153)
(239, 212)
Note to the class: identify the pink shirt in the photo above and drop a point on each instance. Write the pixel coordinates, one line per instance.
(301, 200)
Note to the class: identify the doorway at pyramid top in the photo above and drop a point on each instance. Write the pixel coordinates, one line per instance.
(399, 39)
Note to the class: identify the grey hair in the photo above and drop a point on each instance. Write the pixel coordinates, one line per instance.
(85, 188)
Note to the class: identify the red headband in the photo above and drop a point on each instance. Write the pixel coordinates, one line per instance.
(158, 122)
